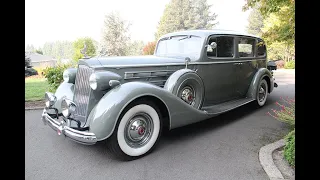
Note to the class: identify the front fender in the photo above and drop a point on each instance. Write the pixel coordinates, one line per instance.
(260, 74)
(65, 90)
(104, 115)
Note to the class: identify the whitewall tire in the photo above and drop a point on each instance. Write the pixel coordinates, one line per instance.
(262, 93)
(137, 131)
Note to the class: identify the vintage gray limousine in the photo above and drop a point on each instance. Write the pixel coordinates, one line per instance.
(128, 101)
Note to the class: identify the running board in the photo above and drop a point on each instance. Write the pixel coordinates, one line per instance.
(226, 106)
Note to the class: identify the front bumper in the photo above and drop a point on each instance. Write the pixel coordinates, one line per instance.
(82, 137)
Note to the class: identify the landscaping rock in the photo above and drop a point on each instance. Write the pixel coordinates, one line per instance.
(34, 104)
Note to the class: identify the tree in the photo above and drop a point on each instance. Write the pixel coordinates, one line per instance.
(149, 48)
(255, 22)
(39, 51)
(115, 35)
(58, 49)
(78, 45)
(30, 48)
(134, 48)
(279, 16)
(185, 14)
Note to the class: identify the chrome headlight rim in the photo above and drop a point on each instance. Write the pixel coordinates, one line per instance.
(67, 107)
(50, 99)
(93, 81)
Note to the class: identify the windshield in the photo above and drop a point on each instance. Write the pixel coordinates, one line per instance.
(182, 46)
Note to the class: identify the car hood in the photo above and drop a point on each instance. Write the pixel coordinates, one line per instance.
(125, 61)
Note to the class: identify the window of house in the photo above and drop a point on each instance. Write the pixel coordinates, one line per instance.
(245, 47)
(220, 47)
(261, 48)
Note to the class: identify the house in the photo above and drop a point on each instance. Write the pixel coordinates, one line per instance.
(39, 60)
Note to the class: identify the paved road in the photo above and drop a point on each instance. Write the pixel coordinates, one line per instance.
(224, 147)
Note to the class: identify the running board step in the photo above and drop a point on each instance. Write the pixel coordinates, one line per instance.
(226, 106)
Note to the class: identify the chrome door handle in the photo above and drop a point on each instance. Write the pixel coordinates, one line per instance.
(237, 63)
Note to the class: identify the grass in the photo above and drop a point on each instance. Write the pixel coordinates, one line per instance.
(35, 88)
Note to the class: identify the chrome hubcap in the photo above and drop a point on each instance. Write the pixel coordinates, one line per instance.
(188, 95)
(139, 130)
(262, 92)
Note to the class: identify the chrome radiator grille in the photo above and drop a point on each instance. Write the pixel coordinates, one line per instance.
(82, 92)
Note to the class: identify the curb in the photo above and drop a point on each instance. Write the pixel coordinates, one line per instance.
(33, 108)
(266, 160)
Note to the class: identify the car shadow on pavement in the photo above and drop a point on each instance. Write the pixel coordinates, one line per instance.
(190, 131)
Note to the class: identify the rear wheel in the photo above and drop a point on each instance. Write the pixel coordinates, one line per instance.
(262, 93)
(137, 131)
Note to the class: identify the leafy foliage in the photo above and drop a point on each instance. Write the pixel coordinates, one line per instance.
(39, 51)
(58, 49)
(54, 76)
(149, 48)
(30, 48)
(290, 65)
(78, 45)
(115, 35)
(134, 48)
(280, 50)
(184, 15)
(255, 22)
(289, 148)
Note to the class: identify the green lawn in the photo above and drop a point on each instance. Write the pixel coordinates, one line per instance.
(35, 89)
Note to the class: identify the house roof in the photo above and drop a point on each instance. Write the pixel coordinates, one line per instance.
(206, 33)
(35, 57)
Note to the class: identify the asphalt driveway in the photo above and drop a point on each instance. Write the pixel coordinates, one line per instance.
(224, 147)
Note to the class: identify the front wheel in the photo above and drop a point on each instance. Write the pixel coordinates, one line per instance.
(262, 93)
(137, 131)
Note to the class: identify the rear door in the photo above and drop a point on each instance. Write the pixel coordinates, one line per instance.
(217, 70)
(247, 64)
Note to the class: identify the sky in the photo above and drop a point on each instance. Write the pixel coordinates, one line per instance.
(52, 20)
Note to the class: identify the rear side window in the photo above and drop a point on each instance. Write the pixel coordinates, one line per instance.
(245, 47)
(261, 48)
(220, 47)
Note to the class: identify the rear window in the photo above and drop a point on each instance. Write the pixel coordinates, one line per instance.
(245, 47)
(261, 48)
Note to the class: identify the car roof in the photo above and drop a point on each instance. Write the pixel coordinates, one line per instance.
(206, 33)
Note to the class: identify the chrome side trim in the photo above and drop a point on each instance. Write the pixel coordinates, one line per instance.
(176, 64)
(82, 137)
(147, 74)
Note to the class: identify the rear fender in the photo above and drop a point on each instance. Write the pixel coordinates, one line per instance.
(260, 74)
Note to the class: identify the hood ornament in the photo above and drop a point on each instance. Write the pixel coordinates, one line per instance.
(84, 51)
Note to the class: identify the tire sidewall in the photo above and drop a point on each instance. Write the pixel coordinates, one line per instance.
(120, 133)
(263, 81)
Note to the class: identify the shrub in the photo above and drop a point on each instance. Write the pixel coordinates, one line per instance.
(54, 76)
(149, 48)
(289, 148)
(40, 70)
(289, 65)
(286, 113)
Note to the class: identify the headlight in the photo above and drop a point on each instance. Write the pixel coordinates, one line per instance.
(101, 81)
(93, 81)
(50, 99)
(69, 75)
(67, 107)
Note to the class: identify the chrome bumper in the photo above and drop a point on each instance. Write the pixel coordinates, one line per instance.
(82, 137)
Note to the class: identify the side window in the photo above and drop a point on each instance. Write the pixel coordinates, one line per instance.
(220, 47)
(245, 47)
(261, 48)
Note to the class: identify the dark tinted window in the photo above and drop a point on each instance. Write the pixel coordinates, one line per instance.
(221, 47)
(261, 48)
(245, 47)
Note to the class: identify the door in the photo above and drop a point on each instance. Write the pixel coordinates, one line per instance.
(247, 64)
(217, 70)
